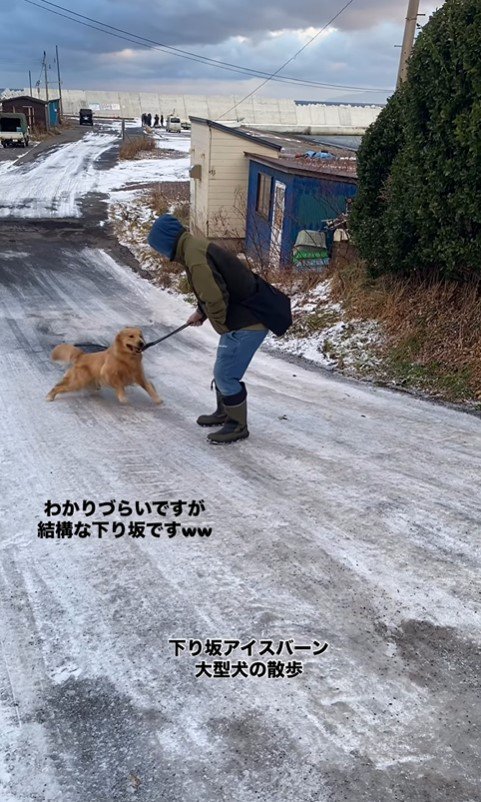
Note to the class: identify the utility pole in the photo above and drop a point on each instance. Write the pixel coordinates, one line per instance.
(47, 109)
(59, 84)
(30, 82)
(45, 71)
(408, 40)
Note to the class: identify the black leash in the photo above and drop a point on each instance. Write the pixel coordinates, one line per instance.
(93, 347)
(165, 337)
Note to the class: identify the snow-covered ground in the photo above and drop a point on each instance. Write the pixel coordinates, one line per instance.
(54, 184)
(351, 516)
(333, 342)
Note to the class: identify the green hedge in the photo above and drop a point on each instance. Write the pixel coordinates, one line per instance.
(418, 210)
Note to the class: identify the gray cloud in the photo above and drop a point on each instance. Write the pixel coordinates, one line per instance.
(360, 52)
(211, 23)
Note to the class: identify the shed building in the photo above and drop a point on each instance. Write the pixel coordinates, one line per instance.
(219, 176)
(290, 196)
(40, 114)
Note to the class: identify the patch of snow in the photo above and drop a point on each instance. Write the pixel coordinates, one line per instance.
(173, 141)
(141, 171)
(322, 334)
(14, 255)
(346, 344)
(5, 166)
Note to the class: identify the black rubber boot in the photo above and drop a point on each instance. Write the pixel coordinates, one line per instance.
(218, 417)
(235, 427)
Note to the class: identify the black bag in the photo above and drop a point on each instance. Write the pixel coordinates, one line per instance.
(271, 306)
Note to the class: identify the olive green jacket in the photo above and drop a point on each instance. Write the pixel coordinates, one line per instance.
(220, 282)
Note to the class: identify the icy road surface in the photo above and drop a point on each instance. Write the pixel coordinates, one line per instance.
(351, 516)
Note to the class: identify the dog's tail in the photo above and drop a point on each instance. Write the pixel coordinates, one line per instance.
(66, 353)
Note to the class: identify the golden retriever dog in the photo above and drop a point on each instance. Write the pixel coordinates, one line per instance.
(116, 367)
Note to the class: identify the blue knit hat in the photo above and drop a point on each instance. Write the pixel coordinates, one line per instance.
(164, 235)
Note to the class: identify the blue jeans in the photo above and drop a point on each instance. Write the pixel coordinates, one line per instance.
(234, 353)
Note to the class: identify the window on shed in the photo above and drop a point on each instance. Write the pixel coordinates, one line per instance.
(264, 186)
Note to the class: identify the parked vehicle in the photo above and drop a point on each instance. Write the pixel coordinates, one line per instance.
(185, 125)
(86, 117)
(14, 130)
(173, 125)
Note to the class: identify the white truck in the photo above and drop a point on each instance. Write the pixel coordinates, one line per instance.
(14, 129)
(173, 125)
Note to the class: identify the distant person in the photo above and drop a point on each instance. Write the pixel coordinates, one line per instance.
(225, 289)
(161, 120)
(149, 120)
(143, 119)
(156, 121)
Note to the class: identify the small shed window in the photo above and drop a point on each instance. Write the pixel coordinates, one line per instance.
(264, 185)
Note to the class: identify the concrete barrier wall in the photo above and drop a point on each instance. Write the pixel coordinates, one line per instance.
(255, 110)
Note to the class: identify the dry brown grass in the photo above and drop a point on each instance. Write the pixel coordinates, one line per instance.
(289, 279)
(131, 148)
(433, 328)
(41, 135)
(163, 200)
(158, 201)
(169, 274)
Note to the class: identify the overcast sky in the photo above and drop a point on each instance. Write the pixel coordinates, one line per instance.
(357, 50)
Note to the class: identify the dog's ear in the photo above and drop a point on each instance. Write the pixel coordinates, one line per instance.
(121, 340)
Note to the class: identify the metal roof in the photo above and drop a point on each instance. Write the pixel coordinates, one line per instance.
(339, 167)
(292, 143)
(240, 132)
(29, 97)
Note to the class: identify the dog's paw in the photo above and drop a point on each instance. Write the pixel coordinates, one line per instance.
(50, 397)
(158, 401)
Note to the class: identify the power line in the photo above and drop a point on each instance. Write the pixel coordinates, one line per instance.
(186, 54)
(306, 44)
(153, 45)
(169, 48)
